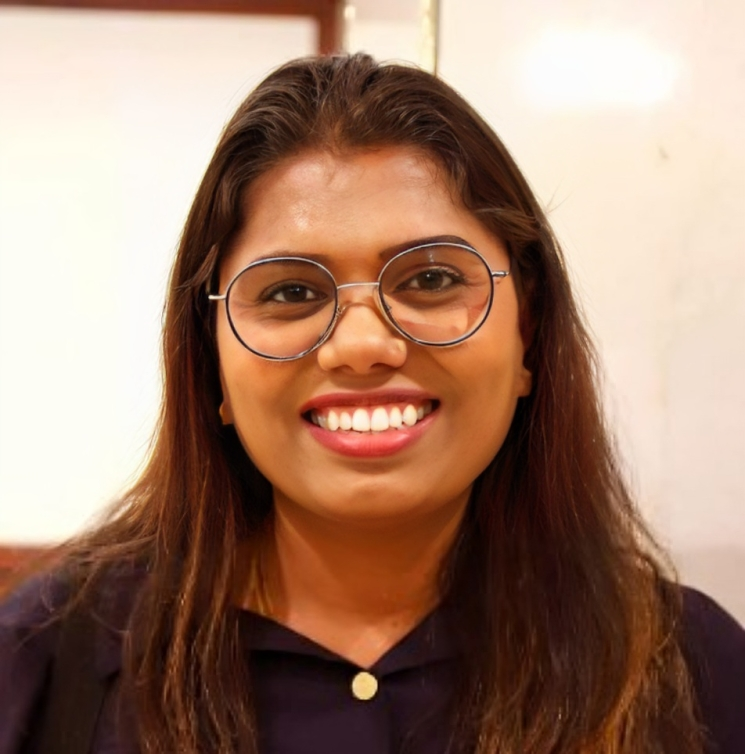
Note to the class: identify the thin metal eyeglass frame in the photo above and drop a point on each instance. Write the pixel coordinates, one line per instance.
(379, 300)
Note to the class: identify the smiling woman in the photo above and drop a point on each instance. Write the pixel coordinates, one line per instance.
(350, 207)
(382, 512)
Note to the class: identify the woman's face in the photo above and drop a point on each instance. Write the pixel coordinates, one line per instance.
(350, 211)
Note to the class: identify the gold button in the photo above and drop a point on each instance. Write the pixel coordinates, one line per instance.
(364, 686)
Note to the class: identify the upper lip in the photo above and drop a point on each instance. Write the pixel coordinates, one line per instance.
(373, 398)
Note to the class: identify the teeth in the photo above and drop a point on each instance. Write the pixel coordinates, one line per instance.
(361, 421)
(379, 419)
(409, 416)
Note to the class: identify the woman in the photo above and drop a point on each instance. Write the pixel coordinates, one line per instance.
(382, 512)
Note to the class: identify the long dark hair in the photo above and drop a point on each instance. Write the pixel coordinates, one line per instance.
(572, 626)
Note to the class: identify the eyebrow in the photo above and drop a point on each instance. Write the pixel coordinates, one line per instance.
(384, 255)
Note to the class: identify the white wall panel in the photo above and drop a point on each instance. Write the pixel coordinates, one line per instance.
(107, 121)
(627, 117)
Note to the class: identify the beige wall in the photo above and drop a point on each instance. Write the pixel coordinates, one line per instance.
(107, 121)
(627, 116)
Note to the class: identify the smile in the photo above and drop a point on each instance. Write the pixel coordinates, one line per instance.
(371, 419)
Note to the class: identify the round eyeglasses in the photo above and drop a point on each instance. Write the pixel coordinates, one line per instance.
(436, 294)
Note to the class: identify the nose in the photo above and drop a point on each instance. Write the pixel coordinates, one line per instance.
(362, 340)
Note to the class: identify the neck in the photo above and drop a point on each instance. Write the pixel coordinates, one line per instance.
(355, 588)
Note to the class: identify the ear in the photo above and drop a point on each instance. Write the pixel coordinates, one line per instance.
(524, 381)
(226, 409)
(226, 412)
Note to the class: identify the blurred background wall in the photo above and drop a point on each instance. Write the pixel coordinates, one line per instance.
(626, 117)
(107, 122)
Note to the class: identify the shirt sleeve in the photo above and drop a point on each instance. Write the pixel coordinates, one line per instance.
(714, 644)
(27, 643)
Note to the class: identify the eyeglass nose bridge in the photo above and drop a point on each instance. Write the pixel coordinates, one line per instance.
(341, 308)
(375, 284)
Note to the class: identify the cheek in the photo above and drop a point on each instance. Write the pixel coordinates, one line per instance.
(252, 395)
(257, 420)
(491, 410)
(248, 384)
(259, 398)
(505, 344)
(496, 378)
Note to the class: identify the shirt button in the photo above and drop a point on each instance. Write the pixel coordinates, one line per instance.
(364, 686)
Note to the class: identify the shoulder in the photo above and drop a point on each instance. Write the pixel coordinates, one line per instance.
(28, 636)
(714, 646)
(30, 623)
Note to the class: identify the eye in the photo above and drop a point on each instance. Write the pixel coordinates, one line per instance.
(291, 292)
(432, 279)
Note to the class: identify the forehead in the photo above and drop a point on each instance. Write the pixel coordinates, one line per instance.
(349, 209)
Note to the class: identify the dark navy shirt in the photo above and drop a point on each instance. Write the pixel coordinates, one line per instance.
(310, 700)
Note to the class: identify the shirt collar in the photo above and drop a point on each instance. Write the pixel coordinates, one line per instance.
(431, 641)
(428, 642)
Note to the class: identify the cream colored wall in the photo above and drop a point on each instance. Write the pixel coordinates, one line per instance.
(627, 117)
(385, 39)
(107, 121)
(387, 29)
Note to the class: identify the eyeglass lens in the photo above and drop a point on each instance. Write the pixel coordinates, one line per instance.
(435, 294)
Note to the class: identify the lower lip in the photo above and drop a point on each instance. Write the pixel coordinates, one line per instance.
(370, 444)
